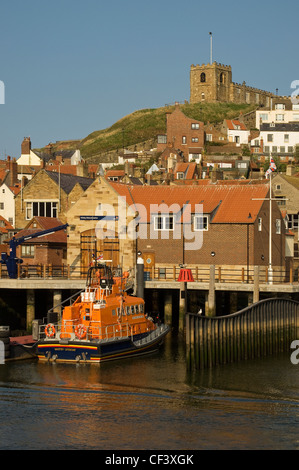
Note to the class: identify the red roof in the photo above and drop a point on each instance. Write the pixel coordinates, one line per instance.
(6, 227)
(233, 125)
(44, 223)
(188, 169)
(234, 203)
(115, 173)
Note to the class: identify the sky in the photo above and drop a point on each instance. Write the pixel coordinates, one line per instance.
(71, 67)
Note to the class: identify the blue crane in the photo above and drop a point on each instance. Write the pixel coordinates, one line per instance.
(12, 260)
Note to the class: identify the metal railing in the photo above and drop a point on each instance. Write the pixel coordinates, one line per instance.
(93, 332)
(224, 274)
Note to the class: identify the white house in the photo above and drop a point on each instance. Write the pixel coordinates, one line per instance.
(277, 139)
(7, 202)
(236, 132)
(279, 114)
(28, 157)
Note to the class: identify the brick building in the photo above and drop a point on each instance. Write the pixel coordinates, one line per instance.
(183, 134)
(213, 83)
(49, 249)
(233, 225)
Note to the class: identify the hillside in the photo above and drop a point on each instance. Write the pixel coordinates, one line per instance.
(145, 124)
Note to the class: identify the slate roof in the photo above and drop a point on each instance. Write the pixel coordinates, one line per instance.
(67, 181)
(280, 127)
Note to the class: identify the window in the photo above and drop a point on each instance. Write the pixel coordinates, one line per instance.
(296, 250)
(270, 138)
(267, 149)
(280, 200)
(264, 117)
(195, 125)
(184, 140)
(293, 221)
(278, 187)
(290, 149)
(203, 77)
(41, 209)
(279, 117)
(27, 250)
(194, 139)
(286, 138)
(282, 149)
(209, 137)
(180, 175)
(163, 222)
(1, 206)
(3, 190)
(201, 223)
(280, 106)
(203, 97)
(162, 139)
(260, 224)
(296, 117)
(278, 226)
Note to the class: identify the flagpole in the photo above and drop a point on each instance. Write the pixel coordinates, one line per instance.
(270, 234)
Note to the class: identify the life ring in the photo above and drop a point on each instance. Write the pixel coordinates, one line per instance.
(80, 331)
(50, 330)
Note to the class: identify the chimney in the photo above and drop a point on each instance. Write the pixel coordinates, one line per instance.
(13, 171)
(290, 170)
(26, 146)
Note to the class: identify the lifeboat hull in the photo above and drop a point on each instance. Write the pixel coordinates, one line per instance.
(100, 351)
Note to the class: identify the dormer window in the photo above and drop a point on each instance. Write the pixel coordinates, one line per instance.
(280, 106)
(201, 223)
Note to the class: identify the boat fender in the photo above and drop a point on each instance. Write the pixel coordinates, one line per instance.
(50, 330)
(80, 331)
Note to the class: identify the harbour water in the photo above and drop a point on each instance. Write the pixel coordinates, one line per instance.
(150, 402)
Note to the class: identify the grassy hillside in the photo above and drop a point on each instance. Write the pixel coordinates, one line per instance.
(145, 124)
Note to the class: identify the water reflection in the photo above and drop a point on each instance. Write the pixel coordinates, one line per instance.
(151, 402)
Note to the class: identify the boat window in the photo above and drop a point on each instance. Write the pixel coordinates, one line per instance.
(141, 308)
(132, 309)
(128, 310)
(136, 309)
(113, 312)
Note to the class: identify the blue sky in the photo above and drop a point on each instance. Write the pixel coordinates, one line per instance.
(71, 67)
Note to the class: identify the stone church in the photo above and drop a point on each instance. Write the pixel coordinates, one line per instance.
(213, 83)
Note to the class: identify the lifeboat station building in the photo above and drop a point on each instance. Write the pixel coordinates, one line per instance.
(199, 226)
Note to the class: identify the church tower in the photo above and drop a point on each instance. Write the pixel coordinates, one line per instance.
(210, 83)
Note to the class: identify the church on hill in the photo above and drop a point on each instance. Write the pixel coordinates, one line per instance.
(213, 83)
